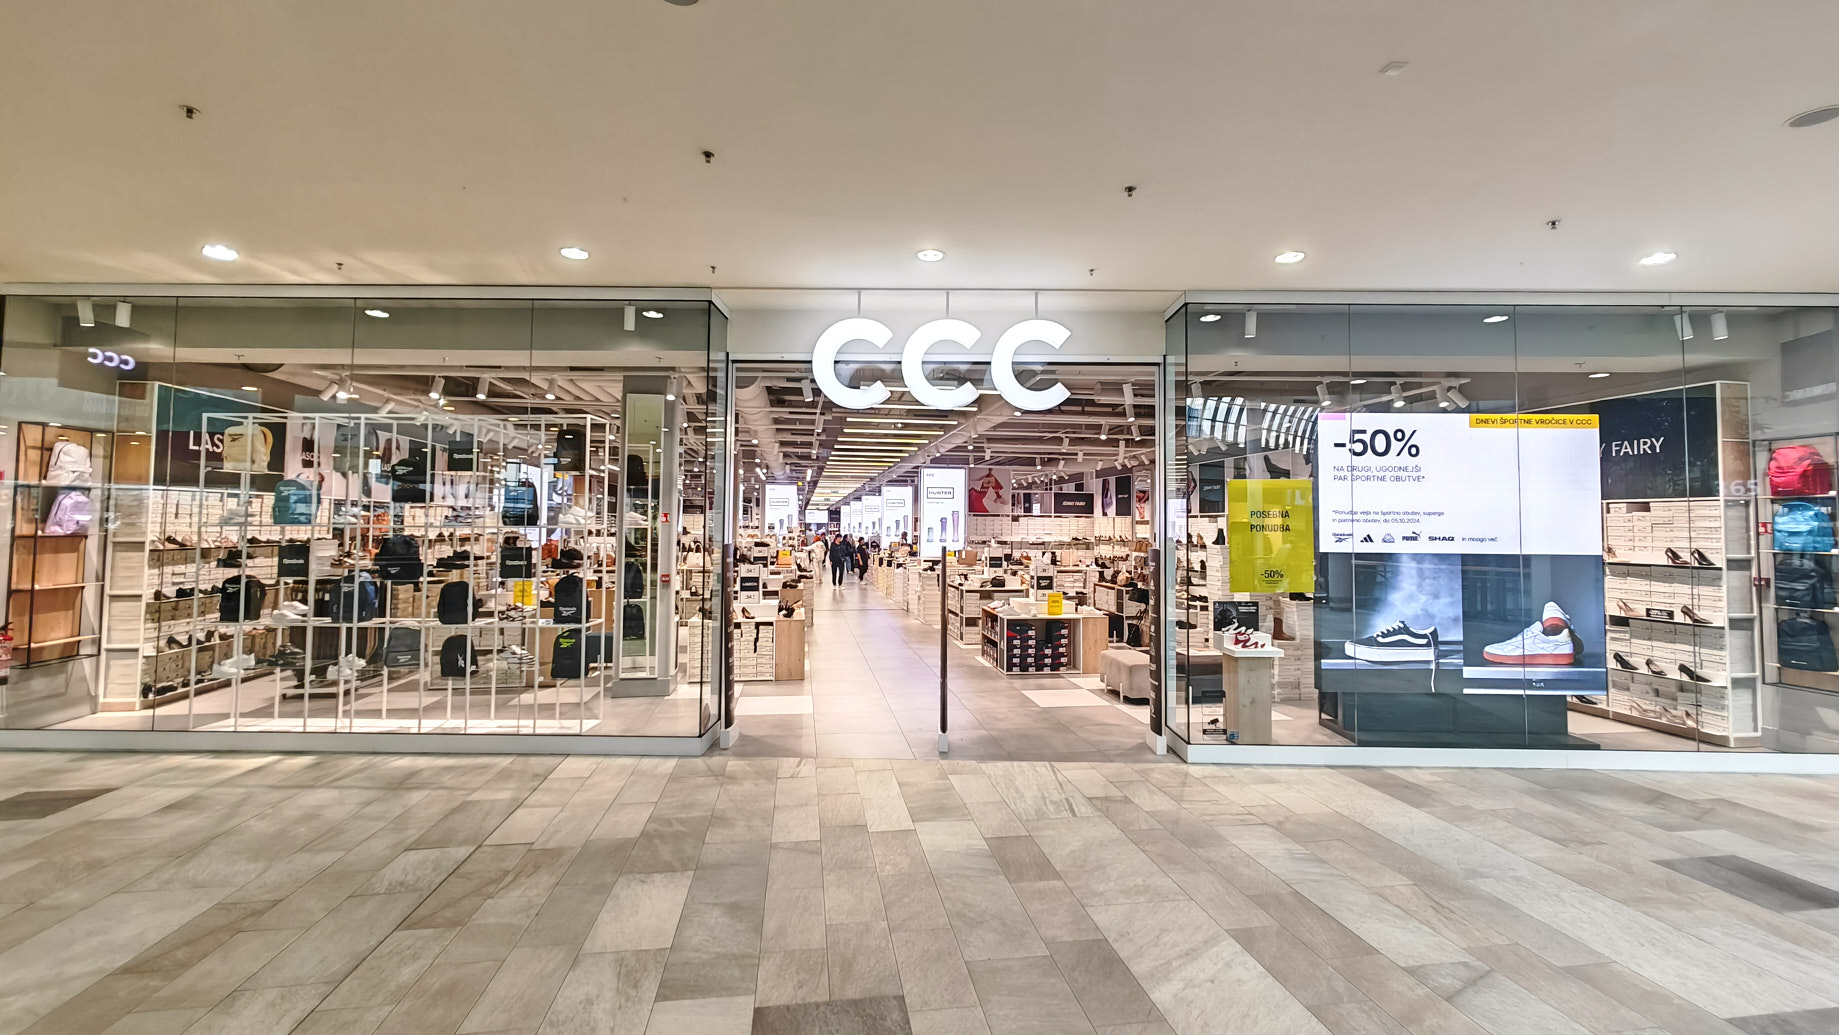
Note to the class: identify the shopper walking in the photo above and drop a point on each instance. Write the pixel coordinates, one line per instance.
(861, 560)
(842, 554)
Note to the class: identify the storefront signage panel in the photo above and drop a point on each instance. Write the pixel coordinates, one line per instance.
(781, 507)
(942, 517)
(816, 518)
(897, 511)
(1270, 531)
(913, 362)
(871, 516)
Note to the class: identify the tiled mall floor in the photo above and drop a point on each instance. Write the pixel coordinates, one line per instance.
(872, 691)
(358, 894)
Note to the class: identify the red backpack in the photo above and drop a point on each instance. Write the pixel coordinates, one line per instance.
(1799, 471)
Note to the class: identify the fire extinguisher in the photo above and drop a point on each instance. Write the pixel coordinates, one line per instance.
(6, 651)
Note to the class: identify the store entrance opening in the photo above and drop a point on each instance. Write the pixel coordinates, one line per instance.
(1041, 521)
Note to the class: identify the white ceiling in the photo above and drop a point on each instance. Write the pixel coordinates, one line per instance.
(464, 141)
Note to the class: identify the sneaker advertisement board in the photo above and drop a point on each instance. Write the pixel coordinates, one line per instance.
(1460, 555)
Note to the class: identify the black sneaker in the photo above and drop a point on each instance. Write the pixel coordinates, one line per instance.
(1396, 642)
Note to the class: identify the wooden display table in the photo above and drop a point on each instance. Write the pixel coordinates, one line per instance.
(1247, 679)
(1085, 641)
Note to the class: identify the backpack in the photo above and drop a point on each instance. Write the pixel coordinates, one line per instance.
(571, 450)
(296, 502)
(638, 486)
(632, 622)
(519, 505)
(353, 598)
(240, 599)
(246, 447)
(571, 601)
(1805, 643)
(1802, 582)
(69, 514)
(294, 559)
(514, 562)
(399, 559)
(68, 464)
(409, 477)
(1799, 471)
(455, 604)
(568, 658)
(635, 580)
(458, 659)
(402, 647)
(1802, 528)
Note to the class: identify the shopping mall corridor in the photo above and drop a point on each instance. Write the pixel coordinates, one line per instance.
(355, 894)
(872, 691)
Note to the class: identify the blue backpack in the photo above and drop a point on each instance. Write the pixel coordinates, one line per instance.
(1802, 528)
(295, 502)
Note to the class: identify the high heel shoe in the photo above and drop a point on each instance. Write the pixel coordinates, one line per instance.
(1675, 557)
(1702, 559)
(1697, 619)
(1623, 662)
(1654, 667)
(1686, 670)
(1627, 611)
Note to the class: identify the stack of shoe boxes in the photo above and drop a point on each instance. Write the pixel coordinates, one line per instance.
(1020, 647)
(753, 651)
(1680, 652)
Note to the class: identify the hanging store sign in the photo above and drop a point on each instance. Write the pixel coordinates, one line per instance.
(913, 360)
(781, 507)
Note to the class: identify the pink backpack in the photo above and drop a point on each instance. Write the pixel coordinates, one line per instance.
(70, 514)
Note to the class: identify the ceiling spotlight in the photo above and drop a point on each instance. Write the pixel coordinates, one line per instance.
(434, 390)
(1600, 373)
(1456, 396)
(1497, 318)
(381, 314)
(1814, 117)
(1398, 394)
(480, 389)
(1101, 434)
(1321, 392)
(807, 390)
(86, 313)
(1210, 318)
(577, 254)
(1443, 399)
(929, 255)
(652, 314)
(756, 441)
(1251, 323)
(330, 390)
(389, 406)
(345, 391)
(549, 390)
(124, 314)
(1290, 258)
(220, 252)
(1720, 325)
(1358, 381)
(1682, 322)
(1657, 258)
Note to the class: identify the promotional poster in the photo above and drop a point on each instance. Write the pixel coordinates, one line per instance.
(1270, 529)
(990, 492)
(942, 514)
(1460, 554)
(781, 512)
(871, 516)
(897, 511)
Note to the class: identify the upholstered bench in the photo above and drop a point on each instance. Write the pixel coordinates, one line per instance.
(1126, 672)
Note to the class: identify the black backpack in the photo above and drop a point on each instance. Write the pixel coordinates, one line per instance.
(409, 477)
(514, 562)
(635, 580)
(519, 505)
(241, 599)
(294, 559)
(1802, 582)
(399, 559)
(455, 605)
(458, 659)
(638, 486)
(571, 601)
(402, 647)
(353, 598)
(632, 622)
(1805, 643)
(571, 450)
(568, 658)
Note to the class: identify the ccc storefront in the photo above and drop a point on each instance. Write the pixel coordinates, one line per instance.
(1433, 530)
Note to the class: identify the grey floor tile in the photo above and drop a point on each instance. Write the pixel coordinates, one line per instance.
(1026, 997)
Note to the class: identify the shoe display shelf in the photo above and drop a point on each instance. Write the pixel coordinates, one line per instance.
(1775, 609)
(54, 600)
(1019, 644)
(964, 605)
(1681, 642)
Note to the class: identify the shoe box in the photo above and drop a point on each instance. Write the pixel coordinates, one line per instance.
(1037, 647)
(1666, 590)
(753, 658)
(1702, 648)
(1682, 704)
(1643, 532)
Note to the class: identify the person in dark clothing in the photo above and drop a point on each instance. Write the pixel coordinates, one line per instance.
(861, 560)
(842, 555)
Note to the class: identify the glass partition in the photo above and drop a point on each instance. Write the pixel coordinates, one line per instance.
(414, 515)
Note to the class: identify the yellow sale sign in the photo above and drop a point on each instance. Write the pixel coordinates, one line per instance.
(1270, 535)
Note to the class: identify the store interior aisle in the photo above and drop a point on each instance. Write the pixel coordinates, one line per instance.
(872, 691)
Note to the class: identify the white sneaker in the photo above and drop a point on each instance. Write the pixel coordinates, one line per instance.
(1396, 642)
(350, 666)
(232, 668)
(1547, 641)
(576, 515)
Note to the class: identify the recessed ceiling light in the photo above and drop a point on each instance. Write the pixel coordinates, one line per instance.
(1814, 117)
(929, 255)
(1358, 381)
(378, 313)
(1658, 258)
(251, 388)
(1210, 318)
(220, 252)
(1288, 258)
(1600, 373)
(574, 253)
(652, 314)
(1494, 319)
